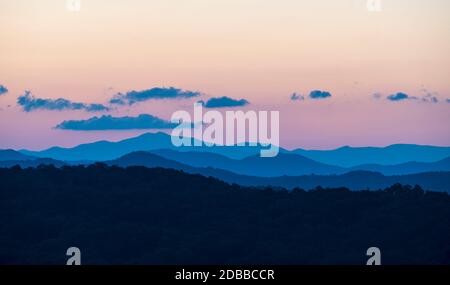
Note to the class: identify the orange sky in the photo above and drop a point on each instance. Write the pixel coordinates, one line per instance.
(260, 50)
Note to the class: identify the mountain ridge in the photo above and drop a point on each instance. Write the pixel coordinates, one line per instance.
(434, 181)
(345, 156)
(286, 163)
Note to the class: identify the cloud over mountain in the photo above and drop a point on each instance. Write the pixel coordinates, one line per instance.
(107, 122)
(30, 103)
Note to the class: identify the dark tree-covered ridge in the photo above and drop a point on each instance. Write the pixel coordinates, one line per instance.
(139, 215)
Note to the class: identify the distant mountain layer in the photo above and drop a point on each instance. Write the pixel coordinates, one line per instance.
(436, 181)
(285, 164)
(356, 180)
(341, 157)
(32, 163)
(9, 154)
(407, 168)
(292, 164)
(282, 164)
(390, 155)
(105, 150)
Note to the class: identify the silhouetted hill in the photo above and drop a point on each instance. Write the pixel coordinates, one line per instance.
(435, 181)
(32, 163)
(139, 215)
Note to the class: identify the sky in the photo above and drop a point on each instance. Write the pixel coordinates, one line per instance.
(387, 72)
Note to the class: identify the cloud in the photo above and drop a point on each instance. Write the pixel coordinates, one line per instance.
(377, 95)
(448, 100)
(297, 97)
(313, 95)
(317, 94)
(107, 122)
(223, 102)
(430, 98)
(132, 97)
(117, 101)
(400, 96)
(3, 90)
(30, 103)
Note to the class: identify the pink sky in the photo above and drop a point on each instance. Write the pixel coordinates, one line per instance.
(262, 51)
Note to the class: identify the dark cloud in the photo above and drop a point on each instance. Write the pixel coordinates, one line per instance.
(448, 100)
(107, 122)
(223, 102)
(318, 94)
(132, 97)
(297, 97)
(3, 90)
(400, 96)
(30, 103)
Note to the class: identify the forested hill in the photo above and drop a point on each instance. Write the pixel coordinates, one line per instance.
(139, 215)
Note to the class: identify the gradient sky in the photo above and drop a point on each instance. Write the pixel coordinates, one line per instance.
(259, 50)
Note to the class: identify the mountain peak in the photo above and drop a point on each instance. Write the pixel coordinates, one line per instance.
(10, 154)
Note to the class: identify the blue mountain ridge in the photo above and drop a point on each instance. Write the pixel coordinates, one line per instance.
(291, 164)
(105, 150)
(9, 154)
(394, 154)
(341, 157)
(354, 180)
